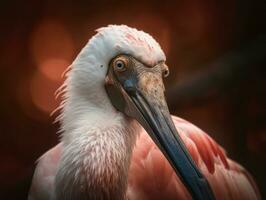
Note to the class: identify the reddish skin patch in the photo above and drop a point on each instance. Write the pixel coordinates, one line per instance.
(138, 41)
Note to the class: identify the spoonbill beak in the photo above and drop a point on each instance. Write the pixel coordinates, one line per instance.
(138, 91)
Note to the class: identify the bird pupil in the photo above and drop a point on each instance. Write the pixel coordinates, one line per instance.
(166, 73)
(119, 65)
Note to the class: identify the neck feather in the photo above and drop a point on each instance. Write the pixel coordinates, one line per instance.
(98, 145)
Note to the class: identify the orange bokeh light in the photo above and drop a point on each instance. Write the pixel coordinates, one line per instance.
(51, 40)
(52, 48)
(53, 68)
(42, 92)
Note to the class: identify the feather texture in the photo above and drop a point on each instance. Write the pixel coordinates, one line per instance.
(151, 176)
(97, 139)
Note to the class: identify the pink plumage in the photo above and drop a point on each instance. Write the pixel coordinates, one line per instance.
(151, 176)
(98, 158)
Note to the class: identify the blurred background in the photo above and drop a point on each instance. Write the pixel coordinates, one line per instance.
(216, 51)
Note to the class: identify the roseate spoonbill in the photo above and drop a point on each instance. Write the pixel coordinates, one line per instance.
(114, 86)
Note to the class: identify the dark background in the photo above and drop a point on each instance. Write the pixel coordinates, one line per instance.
(216, 51)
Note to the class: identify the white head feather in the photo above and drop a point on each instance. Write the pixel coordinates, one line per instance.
(84, 88)
(97, 139)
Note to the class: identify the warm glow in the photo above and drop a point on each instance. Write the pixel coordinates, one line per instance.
(51, 40)
(42, 92)
(53, 68)
(52, 50)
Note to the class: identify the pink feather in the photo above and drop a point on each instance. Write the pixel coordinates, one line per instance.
(151, 176)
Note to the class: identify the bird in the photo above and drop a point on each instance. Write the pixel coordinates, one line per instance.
(118, 139)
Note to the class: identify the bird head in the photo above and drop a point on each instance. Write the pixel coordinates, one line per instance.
(125, 67)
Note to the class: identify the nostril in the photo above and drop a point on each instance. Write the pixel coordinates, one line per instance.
(129, 86)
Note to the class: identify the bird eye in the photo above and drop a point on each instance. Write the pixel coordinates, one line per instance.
(166, 72)
(120, 65)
